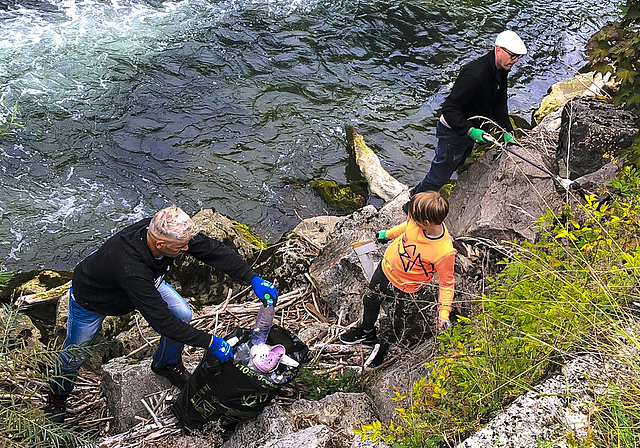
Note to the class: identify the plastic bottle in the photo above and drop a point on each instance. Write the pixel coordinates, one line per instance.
(264, 320)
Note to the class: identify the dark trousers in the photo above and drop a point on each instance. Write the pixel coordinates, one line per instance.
(380, 289)
(451, 151)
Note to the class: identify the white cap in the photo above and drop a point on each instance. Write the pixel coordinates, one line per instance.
(511, 41)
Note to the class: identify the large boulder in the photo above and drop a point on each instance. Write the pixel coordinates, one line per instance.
(205, 284)
(341, 411)
(287, 263)
(324, 423)
(284, 263)
(562, 404)
(317, 230)
(18, 330)
(500, 196)
(400, 376)
(125, 383)
(37, 292)
(591, 128)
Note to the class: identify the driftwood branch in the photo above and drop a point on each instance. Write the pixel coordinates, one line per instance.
(380, 181)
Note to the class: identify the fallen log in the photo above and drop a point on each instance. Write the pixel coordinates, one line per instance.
(381, 183)
(50, 295)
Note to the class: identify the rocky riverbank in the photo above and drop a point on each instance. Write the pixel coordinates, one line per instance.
(497, 200)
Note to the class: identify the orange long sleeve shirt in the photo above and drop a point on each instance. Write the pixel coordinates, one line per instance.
(412, 258)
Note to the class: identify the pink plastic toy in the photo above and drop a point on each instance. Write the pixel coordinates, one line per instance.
(266, 358)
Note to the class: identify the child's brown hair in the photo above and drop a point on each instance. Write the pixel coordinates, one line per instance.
(428, 207)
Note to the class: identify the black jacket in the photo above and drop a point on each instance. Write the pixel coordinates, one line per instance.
(123, 273)
(480, 89)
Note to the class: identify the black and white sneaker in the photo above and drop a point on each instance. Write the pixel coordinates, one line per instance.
(359, 336)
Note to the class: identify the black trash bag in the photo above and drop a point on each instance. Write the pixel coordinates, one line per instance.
(227, 392)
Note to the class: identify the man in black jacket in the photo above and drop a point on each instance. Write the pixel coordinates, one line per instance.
(127, 273)
(479, 90)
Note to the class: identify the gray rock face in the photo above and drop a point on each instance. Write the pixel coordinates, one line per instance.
(192, 278)
(272, 423)
(287, 262)
(340, 411)
(339, 276)
(598, 179)
(19, 329)
(284, 263)
(560, 404)
(125, 384)
(401, 375)
(318, 436)
(324, 424)
(590, 128)
(318, 229)
(500, 197)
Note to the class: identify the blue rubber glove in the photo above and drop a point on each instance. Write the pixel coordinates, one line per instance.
(221, 349)
(265, 291)
(509, 140)
(382, 237)
(476, 134)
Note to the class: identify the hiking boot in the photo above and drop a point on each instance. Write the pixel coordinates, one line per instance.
(359, 336)
(56, 408)
(177, 373)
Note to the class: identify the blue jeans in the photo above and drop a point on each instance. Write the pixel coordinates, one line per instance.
(451, 151)
(83, 326)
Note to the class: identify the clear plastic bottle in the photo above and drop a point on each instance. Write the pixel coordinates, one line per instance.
(264, 320)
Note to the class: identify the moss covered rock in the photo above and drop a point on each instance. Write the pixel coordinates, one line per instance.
(343, 199)
(33, 282)
(204, 284)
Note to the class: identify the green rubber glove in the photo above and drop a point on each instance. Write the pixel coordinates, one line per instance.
(476, 134)
(509, 140)
(382, 237)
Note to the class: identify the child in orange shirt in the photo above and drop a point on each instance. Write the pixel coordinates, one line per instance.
(421, 246)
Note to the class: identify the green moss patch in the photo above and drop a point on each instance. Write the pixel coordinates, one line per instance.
(248, 234)
(33, 282)
(343, 199)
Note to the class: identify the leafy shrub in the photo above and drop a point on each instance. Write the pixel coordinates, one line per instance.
(616, 49)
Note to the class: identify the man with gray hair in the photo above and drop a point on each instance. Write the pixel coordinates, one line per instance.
(127, 273)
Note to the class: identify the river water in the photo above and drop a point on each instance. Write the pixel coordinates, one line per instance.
(131, 105)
